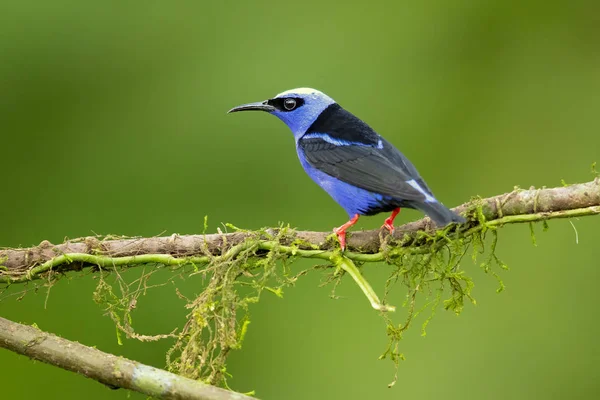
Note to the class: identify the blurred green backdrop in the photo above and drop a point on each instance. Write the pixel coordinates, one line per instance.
(113, 121)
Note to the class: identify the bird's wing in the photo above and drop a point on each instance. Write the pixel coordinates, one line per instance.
(397, 158)
(375, 166)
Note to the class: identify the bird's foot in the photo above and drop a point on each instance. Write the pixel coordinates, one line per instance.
(389, 221)
(389, 225)
(341, 235)
(341, 231)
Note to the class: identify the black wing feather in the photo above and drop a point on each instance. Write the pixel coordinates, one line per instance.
(397, 158)
(363, 166)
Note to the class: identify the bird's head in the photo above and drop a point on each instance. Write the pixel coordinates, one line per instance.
(298, 108)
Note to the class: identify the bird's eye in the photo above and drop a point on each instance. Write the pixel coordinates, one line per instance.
(289, 104)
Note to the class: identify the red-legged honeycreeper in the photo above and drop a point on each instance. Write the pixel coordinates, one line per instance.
(361, 170)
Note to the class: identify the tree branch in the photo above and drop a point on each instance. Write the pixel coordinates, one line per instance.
(116, 372)
(518, 206)
(421, 256)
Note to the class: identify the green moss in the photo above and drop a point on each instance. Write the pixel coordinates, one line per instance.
(532, 234)
(436, 277)
(426, 268)
(3, 260)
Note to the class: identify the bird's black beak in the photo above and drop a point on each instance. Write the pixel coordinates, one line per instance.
(259, 106)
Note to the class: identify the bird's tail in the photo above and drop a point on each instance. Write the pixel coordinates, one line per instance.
(440, 214)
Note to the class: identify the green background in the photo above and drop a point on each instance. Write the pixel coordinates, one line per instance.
(112, 120)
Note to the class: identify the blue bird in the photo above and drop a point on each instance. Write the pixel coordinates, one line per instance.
(361, 170)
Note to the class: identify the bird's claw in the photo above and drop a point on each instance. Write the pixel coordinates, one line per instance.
(341, 235)
(341, 231)
(389, 221)
(389, 226)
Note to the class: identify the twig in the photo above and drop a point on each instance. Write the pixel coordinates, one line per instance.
(348, 265)
(115, 372)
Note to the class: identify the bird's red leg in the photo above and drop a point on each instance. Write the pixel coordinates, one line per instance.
(341, 231)
(389, 222)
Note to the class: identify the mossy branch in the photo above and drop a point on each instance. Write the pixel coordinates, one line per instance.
(518, 206)
(426, 262)
(115, 372)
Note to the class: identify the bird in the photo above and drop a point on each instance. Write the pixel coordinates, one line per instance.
(364, 173)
